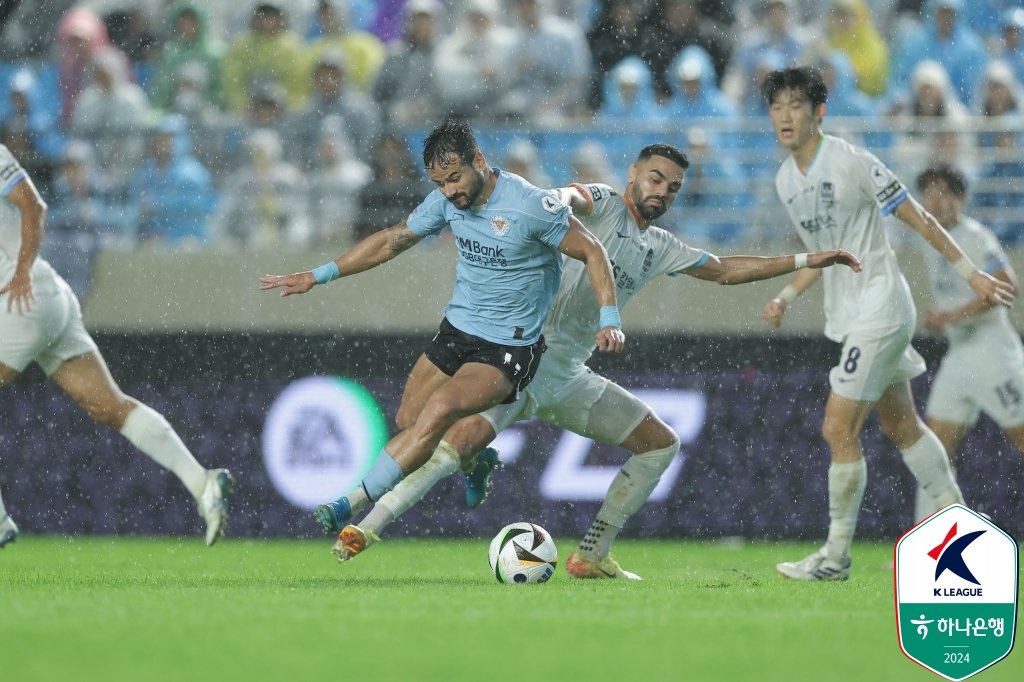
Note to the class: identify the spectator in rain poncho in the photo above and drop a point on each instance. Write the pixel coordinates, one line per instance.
(549, 66)
(80, 218)
(715, 200)
(113, 113)
(333, 95)
(471, 62)
(190, 47)
(694, 90)
(80, 35)
(263, 203)
(613, 39)
(936, 119)
(777, 41)
(629, 95)
(335, 184)
(671, 26)
(25, 110)
(172, 195)
(1000, 100)
(697, 97)
(407, 88)
(363, 52)
(268, 53)
(1010, 44)
(396, 189)
(629, 111)
(946, 39)
(850, 31)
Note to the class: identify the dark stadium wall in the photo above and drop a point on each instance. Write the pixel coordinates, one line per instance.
(298, 419)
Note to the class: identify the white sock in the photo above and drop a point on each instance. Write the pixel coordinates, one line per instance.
(146, 429)
(846, 484)
(411, 489)
(927, 460)
(627, 493)
(357, 499)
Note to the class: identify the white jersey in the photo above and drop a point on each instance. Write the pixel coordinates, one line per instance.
(951, 291)
(44, 278)
(839, 204)
(637, 257)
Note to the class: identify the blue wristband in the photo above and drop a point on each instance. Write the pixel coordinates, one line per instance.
(325, 273)
(609, 317)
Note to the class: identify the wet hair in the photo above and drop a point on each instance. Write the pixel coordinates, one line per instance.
(954, 179)
(666, 151)
(806, 80)
(452, 136)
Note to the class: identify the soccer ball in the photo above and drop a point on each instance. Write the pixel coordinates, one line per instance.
(522, 553)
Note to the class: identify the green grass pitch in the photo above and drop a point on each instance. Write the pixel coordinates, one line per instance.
(110, 609)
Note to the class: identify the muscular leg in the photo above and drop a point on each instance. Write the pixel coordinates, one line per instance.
(950, 434)
(474, 388)
(460, 444)
(922, 450)
(653, 445)
(847, 473)
(424, 379)
(88, 382)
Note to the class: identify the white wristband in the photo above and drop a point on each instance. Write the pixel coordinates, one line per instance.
(788, 294)
(800, 261)
(965, 268)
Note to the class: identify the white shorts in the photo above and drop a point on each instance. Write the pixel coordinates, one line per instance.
(51, 333)
(871, 363)
(977, 378)
(576, 399)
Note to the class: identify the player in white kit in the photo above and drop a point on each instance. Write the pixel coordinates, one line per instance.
(836, 195)
(983, 370)
(41, 321)
(565, 391)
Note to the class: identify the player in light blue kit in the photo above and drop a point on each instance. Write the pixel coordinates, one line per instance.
(509, 236)
(566, 392)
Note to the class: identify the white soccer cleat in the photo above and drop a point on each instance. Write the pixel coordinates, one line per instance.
(8, 530)
(815, 567)
(214, 503)
(606, 568)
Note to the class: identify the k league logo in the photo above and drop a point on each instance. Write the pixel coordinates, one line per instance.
(956, 592)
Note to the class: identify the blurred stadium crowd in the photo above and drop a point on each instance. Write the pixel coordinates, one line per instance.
(276, 124)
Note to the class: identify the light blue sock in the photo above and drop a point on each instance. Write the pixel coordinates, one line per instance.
(383, 476)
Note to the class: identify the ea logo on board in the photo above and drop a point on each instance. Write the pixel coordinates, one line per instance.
(320, 437)
(956, 592)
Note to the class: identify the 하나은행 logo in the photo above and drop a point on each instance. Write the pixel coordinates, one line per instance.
(956, 592)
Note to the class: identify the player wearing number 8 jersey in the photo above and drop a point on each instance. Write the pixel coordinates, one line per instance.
(836, 194)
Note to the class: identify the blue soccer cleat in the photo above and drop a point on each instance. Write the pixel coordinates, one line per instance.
(333, 516)
(478, 480)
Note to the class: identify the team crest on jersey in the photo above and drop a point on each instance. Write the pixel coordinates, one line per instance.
(828, 194)
(499, 225)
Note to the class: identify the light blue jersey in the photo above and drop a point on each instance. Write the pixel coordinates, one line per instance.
(509, 264)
